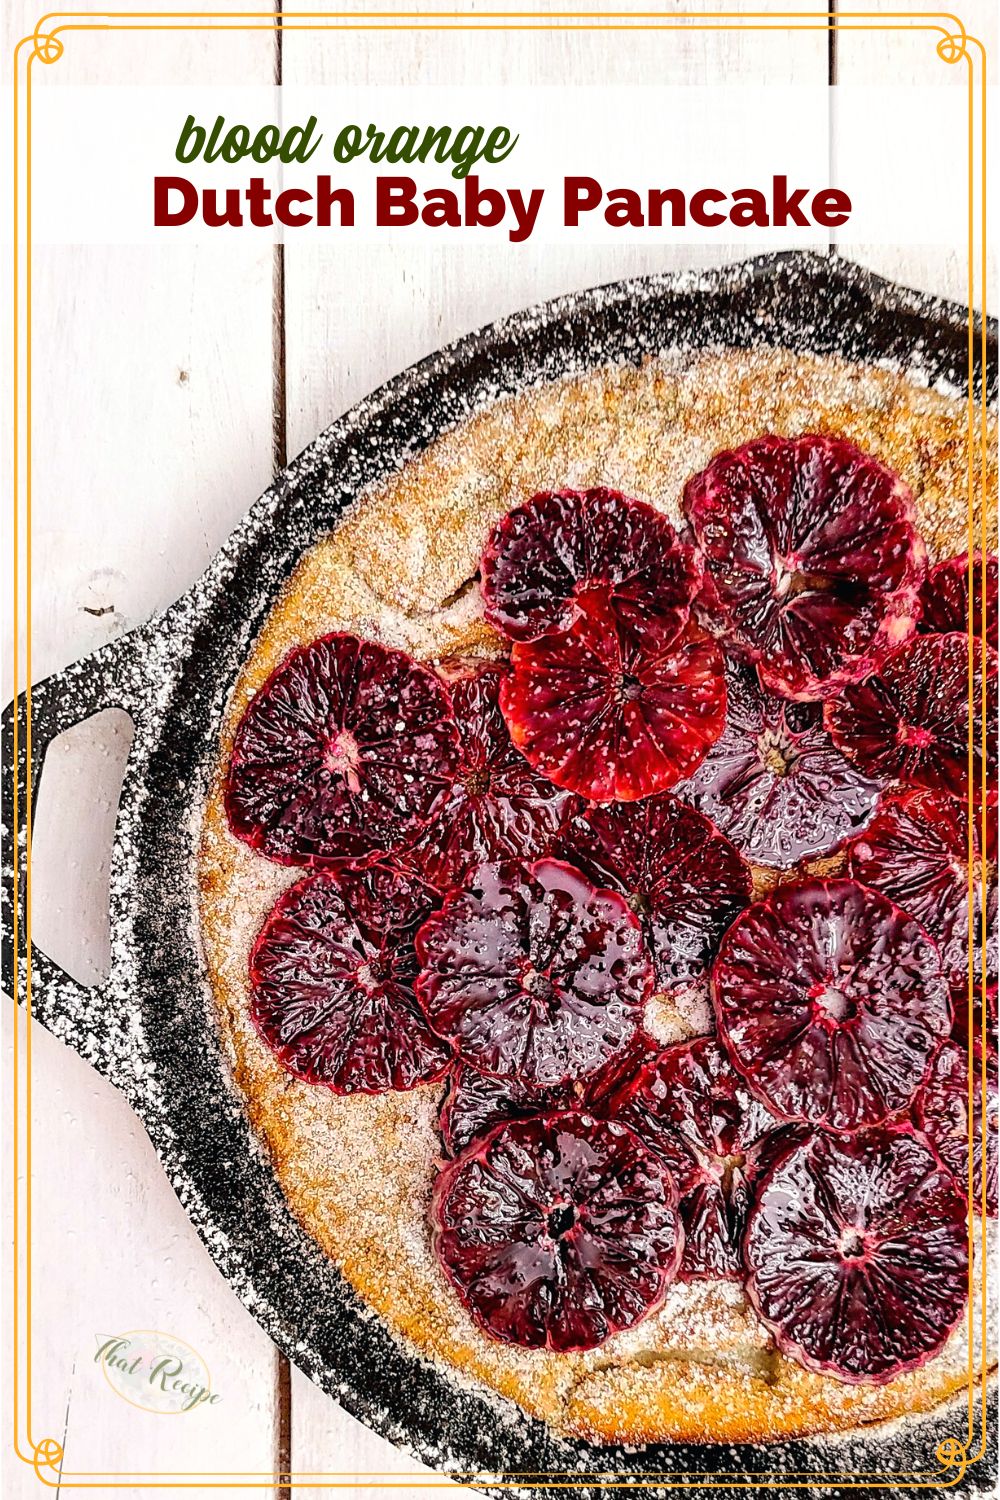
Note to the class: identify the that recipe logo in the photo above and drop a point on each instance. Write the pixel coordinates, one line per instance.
(155, 1371)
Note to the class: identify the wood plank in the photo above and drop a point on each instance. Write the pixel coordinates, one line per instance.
(352, 321)
(153, 420)
(902, 58)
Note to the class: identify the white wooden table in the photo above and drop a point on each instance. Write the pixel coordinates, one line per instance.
(170, 383)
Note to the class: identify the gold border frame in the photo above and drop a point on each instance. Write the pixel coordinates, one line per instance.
(45, 45)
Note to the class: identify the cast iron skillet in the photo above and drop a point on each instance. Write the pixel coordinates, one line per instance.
(148, 1028)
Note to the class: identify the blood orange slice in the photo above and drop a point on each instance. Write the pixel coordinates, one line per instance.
(831, 1002)
(498, 807)
(857, 1255)
(609, 717)
(534, 974)
(683, 880)
(690, 1106)
(814, 559)
(341, 754)
(917, 852)
(775, 783)
(548, 554)
(476, 1103)
(557, 1232)
(986, 820)
(986, 949)
(941, 1112)
(944, 597)
(910, 722)
(981, 1001)
(331, 983)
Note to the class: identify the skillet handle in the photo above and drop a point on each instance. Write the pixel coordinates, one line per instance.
(110, 678)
